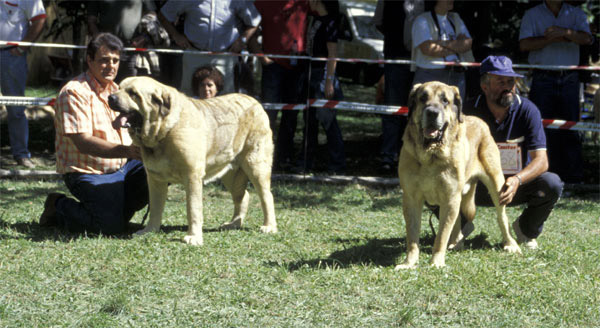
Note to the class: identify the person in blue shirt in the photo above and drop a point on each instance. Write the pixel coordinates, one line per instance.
(552, 33)
(516, 120)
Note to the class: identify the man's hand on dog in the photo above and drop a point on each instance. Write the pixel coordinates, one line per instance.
(508, 191)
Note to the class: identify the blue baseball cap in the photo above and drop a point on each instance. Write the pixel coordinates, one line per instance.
(498, 65)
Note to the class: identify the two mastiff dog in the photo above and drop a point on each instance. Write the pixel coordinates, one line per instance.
(190, 141)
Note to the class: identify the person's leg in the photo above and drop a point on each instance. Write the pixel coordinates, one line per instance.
(293, 93)
(540, 195)
(271, 90)
(570, 142)
(13, 71)
(397, 87)
(545, 94)
(100, 206)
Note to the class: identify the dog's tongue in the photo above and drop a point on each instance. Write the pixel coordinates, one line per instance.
(430, 133)
(120, 122)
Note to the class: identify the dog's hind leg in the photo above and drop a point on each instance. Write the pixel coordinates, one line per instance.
(259, 173)
(235, 182)
(467, 212)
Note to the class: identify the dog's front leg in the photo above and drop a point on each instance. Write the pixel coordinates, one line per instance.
(412, 209)
(157, 197)
(194, 211)
(448, 215)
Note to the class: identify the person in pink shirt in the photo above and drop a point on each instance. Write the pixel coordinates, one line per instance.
(100, 166)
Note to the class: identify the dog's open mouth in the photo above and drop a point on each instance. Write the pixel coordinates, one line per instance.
(433, 135)
(131, 119)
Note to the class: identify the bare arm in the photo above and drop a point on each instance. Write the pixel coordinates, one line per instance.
(331, 65)
(238, 45)
(537, 166)
(554, 34)
(94, 146)
(32, 33)
(443, 48)
(179, 38)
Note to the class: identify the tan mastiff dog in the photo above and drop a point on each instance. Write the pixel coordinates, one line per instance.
(444, 154)
(192, 142)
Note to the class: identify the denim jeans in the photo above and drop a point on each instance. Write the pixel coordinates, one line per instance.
(557, 97)
(283, 85)
(397, 87)
(13, 71)
(539, 195)
(328, 120)
(106, 201)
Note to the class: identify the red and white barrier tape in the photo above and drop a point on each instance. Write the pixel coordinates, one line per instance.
(323, 103)
(349, 60)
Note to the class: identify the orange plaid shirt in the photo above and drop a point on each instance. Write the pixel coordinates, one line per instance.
(82, 108)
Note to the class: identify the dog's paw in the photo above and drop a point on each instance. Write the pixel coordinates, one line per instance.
(193, 240)
(231, 225)
(513, 248)
(268, 229)
(438, 262)
(405, 266)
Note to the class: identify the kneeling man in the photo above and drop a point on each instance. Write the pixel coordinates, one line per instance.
(99, 165)
(516, 125)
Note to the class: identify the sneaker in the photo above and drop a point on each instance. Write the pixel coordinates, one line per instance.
(527, 242)
(48, 217)
(27, 162)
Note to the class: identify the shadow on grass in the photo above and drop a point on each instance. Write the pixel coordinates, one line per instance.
(34, 232)
(377, 252)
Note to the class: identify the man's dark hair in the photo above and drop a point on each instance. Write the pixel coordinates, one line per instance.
(104, 39)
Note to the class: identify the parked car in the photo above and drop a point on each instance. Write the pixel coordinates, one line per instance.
(358, 38)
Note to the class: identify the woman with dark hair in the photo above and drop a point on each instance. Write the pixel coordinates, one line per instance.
(322, 36)
(207, 82)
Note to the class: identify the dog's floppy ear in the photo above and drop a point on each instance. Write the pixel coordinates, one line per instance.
(458, 104)
(163, 102)
(412, 98)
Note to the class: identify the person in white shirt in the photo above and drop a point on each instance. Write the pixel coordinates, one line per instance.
(19, 21)
(440, 35)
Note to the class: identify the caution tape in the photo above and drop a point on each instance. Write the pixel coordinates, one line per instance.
(26, 101)
(324, 103)
(349, 60)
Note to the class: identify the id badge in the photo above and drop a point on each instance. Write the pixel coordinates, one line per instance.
(510, 157)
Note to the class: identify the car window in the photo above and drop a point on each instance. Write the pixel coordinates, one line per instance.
(366, 28)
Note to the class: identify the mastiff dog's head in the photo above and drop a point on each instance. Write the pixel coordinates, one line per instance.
(434, 109)
(147, 107)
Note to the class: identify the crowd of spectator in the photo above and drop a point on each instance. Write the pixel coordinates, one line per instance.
(104, 172)
(427, 32)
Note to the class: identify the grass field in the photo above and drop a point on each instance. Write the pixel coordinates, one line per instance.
(331, 265)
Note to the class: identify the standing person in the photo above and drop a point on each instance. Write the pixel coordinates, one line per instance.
(19, 21)
(440, 35)
(514, 120)
(322, 39)
(121, 18)
(391, 18)
(207, 82)
(552, 33)
(283, 29)
(211, 25)
(98, 163)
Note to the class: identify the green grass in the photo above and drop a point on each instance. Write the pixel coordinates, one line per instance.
(331, 265)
